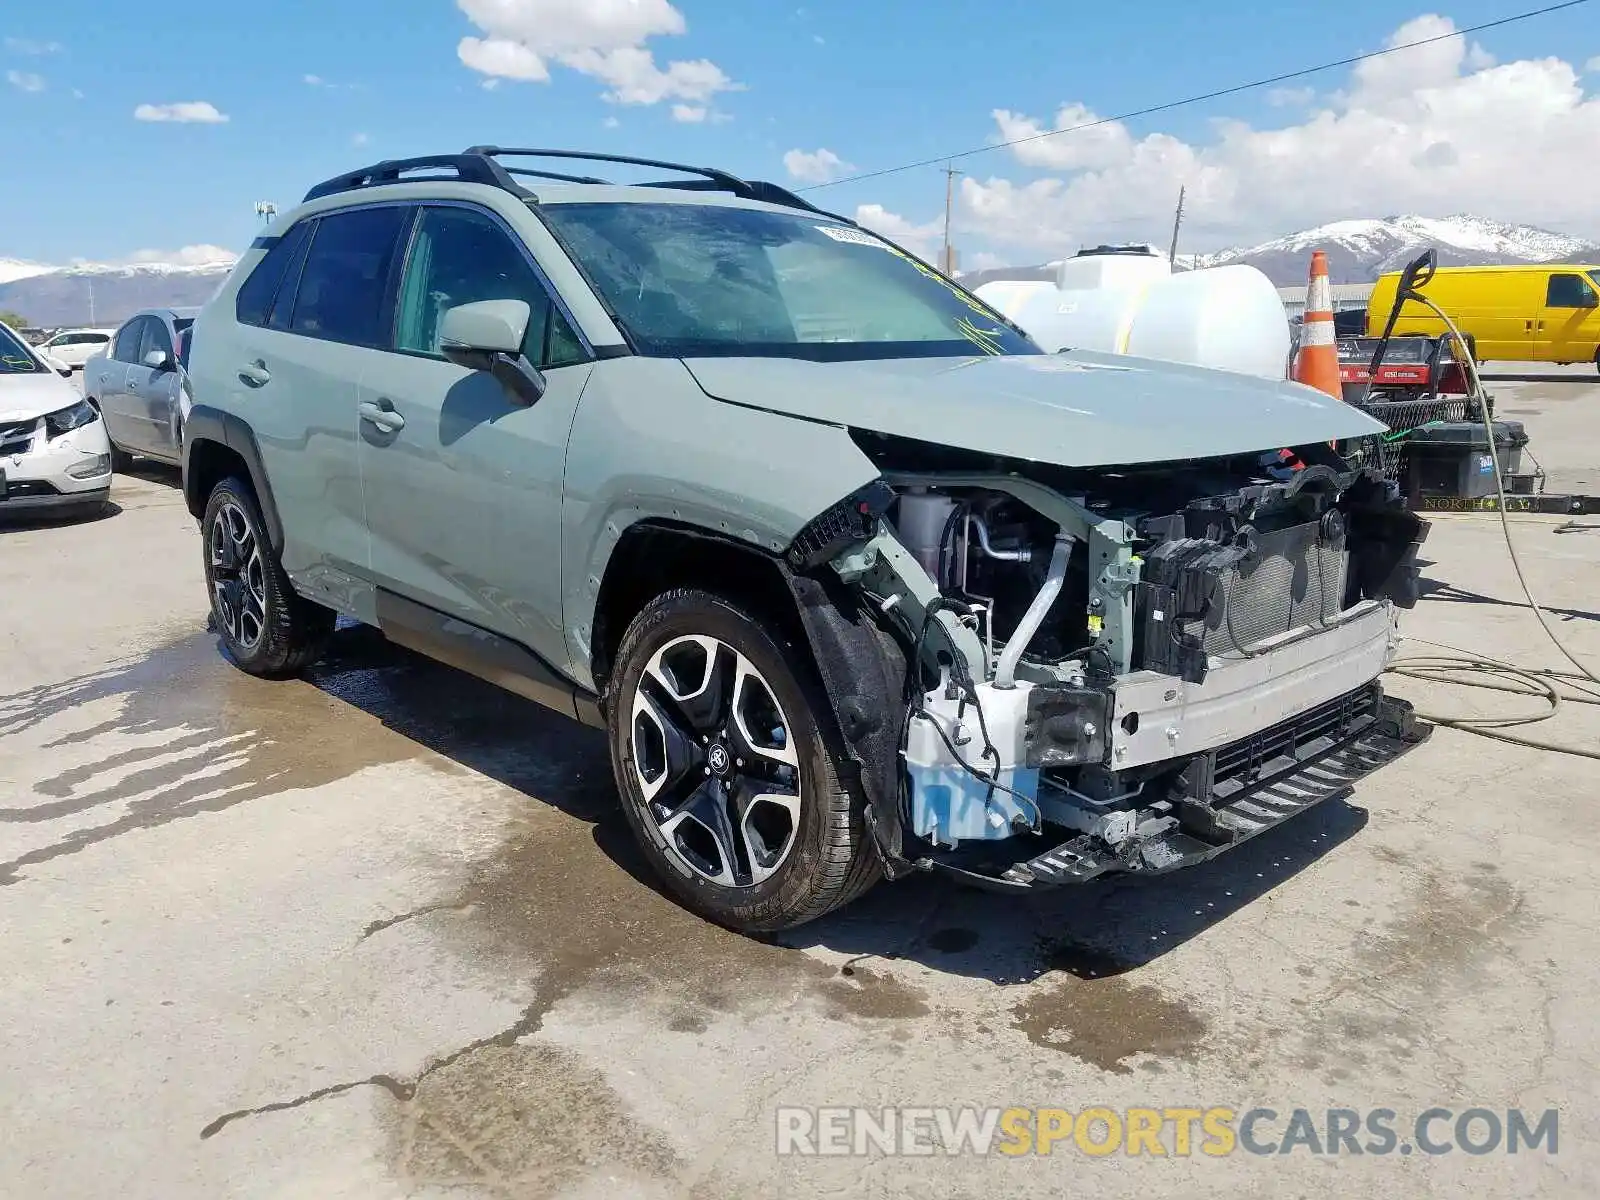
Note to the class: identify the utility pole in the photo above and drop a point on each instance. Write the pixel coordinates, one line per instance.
(266, 210)
(1177, 223)
(947, 262)
(90, 281)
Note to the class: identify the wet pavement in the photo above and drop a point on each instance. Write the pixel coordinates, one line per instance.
(382, 932)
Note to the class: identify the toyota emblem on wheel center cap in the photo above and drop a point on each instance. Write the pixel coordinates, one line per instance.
(717, 760)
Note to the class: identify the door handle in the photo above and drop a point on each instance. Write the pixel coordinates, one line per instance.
(255, 374)
(381, 415)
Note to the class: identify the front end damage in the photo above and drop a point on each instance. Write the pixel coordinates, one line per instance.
(1045, 674)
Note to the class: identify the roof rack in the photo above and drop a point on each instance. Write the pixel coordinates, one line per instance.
(480, 164)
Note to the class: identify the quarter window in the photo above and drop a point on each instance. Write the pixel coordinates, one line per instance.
(460, 256)
(341, 292)
(1570, 291)
(256, 293)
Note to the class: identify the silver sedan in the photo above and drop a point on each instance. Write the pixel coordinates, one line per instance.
(141, 386)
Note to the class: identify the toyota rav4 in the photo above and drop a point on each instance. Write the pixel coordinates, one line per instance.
(857, 580)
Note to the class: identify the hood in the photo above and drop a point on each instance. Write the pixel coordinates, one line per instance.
(1075, 409)
(24, 396)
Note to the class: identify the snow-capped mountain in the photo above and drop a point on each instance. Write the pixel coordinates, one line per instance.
(105, 294)
(1359, 250)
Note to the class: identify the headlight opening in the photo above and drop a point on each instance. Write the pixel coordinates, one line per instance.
(67, 419)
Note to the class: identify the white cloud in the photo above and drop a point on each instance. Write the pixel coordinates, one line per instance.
(922, 240)
(184, 256)
(1432, 129)
(31, 47)
(611, 123)
(690, 114)
(604, 39)
(1291, 97)
(815, 166)
(314, 80)
(24, 81)
(201, 112)
(1593, 64)
(360, 139)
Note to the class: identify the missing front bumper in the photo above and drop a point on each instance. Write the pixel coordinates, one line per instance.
(1227, 796)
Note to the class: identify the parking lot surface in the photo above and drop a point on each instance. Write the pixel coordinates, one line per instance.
(381, 932)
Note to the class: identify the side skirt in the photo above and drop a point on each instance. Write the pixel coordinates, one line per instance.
(489, 656)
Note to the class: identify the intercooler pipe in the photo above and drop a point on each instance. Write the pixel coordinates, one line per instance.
(1005, 675)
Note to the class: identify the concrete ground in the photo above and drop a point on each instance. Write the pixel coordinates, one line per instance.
(381, 932)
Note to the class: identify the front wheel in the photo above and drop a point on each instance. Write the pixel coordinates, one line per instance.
(267, 627)
(729, 768)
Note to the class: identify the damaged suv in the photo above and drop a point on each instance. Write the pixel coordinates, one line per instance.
(857, 579)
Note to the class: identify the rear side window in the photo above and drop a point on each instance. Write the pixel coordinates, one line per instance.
(346, 275)
(255, 295)
(1570, 291)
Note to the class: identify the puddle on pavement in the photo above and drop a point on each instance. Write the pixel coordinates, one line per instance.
(1092, 1012)
(520, 1120)
(218, 738)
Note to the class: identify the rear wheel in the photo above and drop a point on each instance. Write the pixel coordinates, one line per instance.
(268, 628)
(729, 769)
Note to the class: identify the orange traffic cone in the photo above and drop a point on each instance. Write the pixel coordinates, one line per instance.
(1317, 364)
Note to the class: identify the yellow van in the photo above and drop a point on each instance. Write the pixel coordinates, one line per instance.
(1545, 313)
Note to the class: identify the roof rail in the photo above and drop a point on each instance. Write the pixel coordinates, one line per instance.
(480, 164)
(466, 168)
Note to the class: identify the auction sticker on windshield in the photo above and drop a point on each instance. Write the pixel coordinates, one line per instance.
(843, 233)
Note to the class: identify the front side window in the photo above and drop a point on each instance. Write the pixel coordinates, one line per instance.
(128, 339)
(701, 279)
(1570, 291)
(14, 356)
(346, 272)
(460, 256)
(155, 338)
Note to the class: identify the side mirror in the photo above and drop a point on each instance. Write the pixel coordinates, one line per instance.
(487, 336)
(158, 360)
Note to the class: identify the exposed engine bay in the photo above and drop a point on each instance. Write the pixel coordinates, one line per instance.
(1114, 668)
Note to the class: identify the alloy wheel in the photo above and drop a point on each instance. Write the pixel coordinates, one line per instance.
(715, 762)
(238, 576)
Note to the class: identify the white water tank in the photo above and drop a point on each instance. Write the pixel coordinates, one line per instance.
(1227, 318)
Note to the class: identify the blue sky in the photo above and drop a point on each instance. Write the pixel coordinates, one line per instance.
(872, 83)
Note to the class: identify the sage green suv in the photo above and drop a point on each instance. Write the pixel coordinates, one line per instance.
(858, 580)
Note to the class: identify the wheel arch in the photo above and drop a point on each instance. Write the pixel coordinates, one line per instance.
(860, 666)
(217, 444)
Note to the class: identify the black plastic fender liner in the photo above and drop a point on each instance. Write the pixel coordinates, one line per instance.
(208, 424)
(863, 669)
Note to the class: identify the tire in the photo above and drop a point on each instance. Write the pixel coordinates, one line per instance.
(268, 628)
(716, 720)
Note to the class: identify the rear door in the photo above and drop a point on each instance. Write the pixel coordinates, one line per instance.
(1568, 328)
(112, 377)
(462, 482)
(153, 391)
(302, 340)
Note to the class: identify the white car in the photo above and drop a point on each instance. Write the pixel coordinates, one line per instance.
(54, 452)
(77, 346)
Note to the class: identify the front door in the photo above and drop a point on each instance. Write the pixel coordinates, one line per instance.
(463, 482)
(1569, 327)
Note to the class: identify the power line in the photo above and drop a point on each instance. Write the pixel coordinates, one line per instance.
(1218, 94)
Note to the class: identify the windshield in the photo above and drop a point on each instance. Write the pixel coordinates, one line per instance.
(699, 279)
(15, 358)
